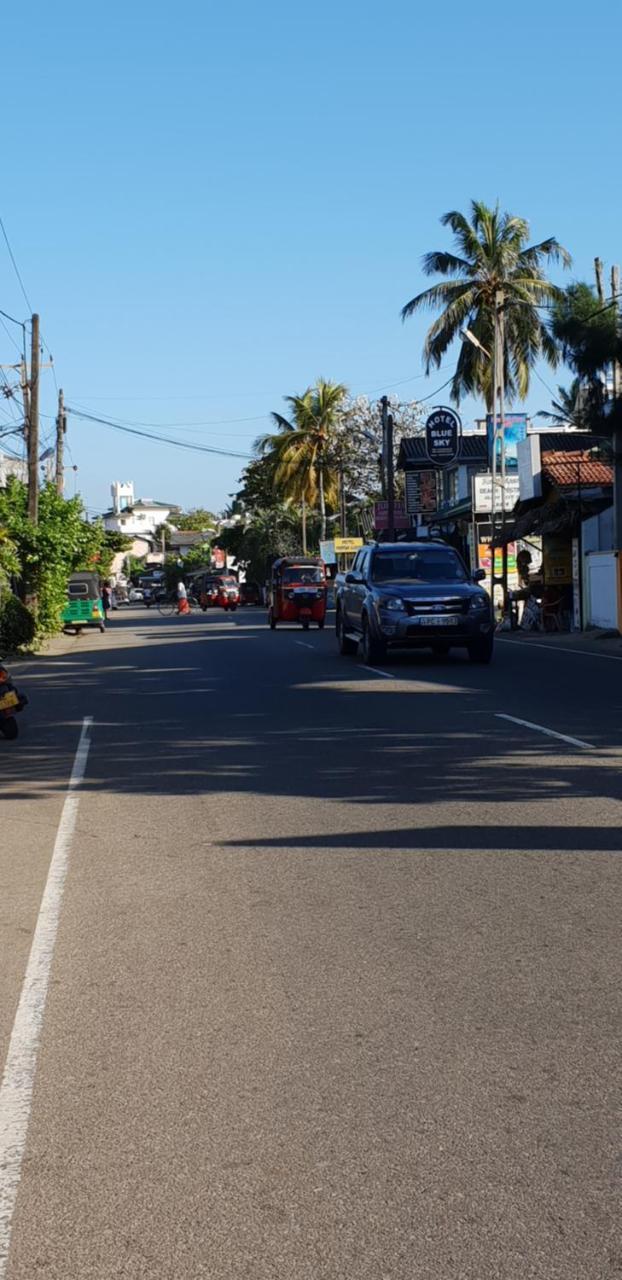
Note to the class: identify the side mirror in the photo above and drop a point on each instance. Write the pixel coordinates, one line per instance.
(479, 575)
(351, 578)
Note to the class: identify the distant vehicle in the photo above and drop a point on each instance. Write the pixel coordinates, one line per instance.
(250, 593)
(216, 590)
(297, 591)
(152, 594)
(412, 595)
(84, 606)
(11, 703)
(136, 595)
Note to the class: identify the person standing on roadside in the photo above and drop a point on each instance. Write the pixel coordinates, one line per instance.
(106, 600)
(182, 597)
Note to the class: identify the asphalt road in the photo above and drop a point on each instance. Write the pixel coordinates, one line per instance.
(336, 989)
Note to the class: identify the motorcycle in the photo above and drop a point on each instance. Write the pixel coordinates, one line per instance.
(11, 702)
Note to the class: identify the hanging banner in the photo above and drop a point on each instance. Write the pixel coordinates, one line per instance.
(381, 515)
(443, 430)
(421, 492)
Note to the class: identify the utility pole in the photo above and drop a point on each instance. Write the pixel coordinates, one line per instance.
(304, 526)
(617, 434)
(388, 469)
(61, 427)
(598, 272)
(33, 426)
(343, 519)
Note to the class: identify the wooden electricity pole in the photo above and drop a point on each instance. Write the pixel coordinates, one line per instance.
(33, 426)
(61, 427)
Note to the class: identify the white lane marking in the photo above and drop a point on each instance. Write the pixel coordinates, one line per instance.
(550, 733)
(303, 644)
(388, 675)
(21, 1063)
(558, 648)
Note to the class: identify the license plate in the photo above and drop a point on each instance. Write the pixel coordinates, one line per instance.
(305, 613)
(431, 621)
(10, 699)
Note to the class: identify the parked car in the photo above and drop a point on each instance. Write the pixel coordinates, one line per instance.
(412, 594)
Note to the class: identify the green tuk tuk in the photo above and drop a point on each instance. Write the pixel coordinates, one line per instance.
(84, 606)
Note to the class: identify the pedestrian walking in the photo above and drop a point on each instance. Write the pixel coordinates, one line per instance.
(182, 597)
(106, 600)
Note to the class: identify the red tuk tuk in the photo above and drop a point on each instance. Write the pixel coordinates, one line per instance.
(297, 591)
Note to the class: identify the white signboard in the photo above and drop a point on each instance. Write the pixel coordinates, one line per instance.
(482, 493)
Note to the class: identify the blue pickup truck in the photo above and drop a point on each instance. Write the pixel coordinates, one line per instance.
(412, 594)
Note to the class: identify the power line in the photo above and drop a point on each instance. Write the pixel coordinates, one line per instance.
(15, 266)
(148, 435)
(182, 426)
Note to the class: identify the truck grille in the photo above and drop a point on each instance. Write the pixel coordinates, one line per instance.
(417, 608)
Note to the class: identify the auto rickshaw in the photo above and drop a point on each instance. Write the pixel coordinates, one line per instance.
(216, 591)
(297, 591)
(84, 606)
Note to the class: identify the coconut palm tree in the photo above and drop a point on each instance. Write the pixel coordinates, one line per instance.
(301, 447)
(492, 254)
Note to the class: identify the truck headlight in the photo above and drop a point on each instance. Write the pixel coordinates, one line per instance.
(478, 603)
(392, 604)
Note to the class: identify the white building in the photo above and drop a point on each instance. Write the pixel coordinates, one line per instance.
(12, 467)
(135, 517)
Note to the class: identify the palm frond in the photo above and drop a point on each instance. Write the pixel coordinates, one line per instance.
(445, 264)
(447, 291)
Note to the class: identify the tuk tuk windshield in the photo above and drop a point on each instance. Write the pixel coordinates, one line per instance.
(303, 573)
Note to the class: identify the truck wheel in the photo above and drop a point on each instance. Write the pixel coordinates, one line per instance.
(373, 650)
(346, 646)
(321, 624)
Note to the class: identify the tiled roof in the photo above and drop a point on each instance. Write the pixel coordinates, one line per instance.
(576, 469)
(413, 451)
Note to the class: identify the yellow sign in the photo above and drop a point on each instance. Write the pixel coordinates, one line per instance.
(344, 545)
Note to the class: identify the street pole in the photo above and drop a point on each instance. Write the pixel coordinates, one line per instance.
(617, 434)
(342, 504)
(390, 480)
(33, 426)
(383, 456)
(61, 427)
(304, 527)
(493, 462)
(501, 377)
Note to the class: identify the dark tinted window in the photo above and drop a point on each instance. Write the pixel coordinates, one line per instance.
(434, 564)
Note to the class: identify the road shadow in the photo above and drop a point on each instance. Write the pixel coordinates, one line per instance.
(180, 713)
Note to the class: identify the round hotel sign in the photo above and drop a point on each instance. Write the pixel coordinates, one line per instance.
(443, 429)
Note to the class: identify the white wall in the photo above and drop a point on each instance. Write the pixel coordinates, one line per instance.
(601, 572)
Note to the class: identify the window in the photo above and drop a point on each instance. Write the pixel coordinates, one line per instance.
(436, 564)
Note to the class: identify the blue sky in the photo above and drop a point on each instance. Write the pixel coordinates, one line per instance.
(211, 205)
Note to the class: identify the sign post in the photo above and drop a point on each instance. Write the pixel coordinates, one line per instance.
(443, 430)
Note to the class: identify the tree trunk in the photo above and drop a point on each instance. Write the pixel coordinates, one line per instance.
(320, 470)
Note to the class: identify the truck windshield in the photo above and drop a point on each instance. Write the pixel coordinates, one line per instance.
(431, 565)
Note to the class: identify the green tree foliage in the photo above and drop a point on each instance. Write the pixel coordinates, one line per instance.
(195, 520)
(491, 254)
(300, 450)
(17, 624)
(589, 335)
(48, 552)
(267, 534)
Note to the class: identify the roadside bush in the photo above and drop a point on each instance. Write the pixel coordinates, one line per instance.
(17, 624)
